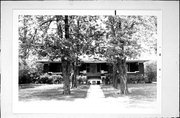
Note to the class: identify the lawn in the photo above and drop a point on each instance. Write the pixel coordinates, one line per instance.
(137, 91)
(141, 99)
(139, 94)
(33, 92)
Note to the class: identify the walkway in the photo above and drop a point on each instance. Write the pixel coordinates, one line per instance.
(95, 92)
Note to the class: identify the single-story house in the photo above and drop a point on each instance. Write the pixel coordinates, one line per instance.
(96, 68)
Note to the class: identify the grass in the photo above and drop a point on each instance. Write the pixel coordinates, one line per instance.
(146, 92)
(137, 92)
(141, 96)
(34, 92)
(27, 86)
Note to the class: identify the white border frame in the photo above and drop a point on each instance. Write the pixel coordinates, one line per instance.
(170, 52)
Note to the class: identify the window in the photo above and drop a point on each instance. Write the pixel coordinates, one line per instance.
(55, 67)
(82, 67)
(132, 67)
(104, 67)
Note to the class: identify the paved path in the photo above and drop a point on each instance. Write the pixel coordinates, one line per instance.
(95, 92)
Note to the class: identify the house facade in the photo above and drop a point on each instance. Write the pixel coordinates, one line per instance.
(97, 69)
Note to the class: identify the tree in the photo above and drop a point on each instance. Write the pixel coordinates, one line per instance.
(51, 43)
(26, 47)
(123, 35)
(119, 32)
(25, 37)
(72, 36)
(84, 31)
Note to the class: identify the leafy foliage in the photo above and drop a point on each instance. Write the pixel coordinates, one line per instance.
(49, 79)
(151, 71)
(45, 36)
(29, 73)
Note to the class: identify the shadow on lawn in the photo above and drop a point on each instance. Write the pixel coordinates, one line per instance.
(109, 91)
(25, 86)
(138, 92)
(55, 94)
(145, 92)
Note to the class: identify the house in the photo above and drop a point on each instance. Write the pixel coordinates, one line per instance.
(97, 68)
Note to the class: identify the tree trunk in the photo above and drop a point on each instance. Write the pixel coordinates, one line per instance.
(66, 27)
(74, 79)
(114, 75)
(66, 76)
(75, 68)
(123, 75)
(75, 76)
(66, 63)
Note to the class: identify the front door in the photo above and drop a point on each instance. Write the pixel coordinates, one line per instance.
(93, 68)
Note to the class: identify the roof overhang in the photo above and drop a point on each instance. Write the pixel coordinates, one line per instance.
(90, 59)
(95, 61)
(139, 61)
(39, 61)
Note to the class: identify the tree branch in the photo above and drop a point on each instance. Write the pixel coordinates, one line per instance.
(49, 20)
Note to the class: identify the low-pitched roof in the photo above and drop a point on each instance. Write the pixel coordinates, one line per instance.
(90, 60)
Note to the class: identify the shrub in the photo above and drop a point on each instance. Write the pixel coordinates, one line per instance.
(48, 78)
(57, 79)
(43, 78)
(24, 76)
(151, 71)
(38, 69)
(29, 73)
(135, 78)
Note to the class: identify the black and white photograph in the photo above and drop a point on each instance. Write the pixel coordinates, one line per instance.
(89, 60)
(62, 59)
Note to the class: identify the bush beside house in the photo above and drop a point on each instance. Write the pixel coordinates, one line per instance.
(139, 78)
(24, 76)
(29, 74)
(48, 78)
(151, 71)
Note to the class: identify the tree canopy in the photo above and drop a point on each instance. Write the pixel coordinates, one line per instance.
(44, 35)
